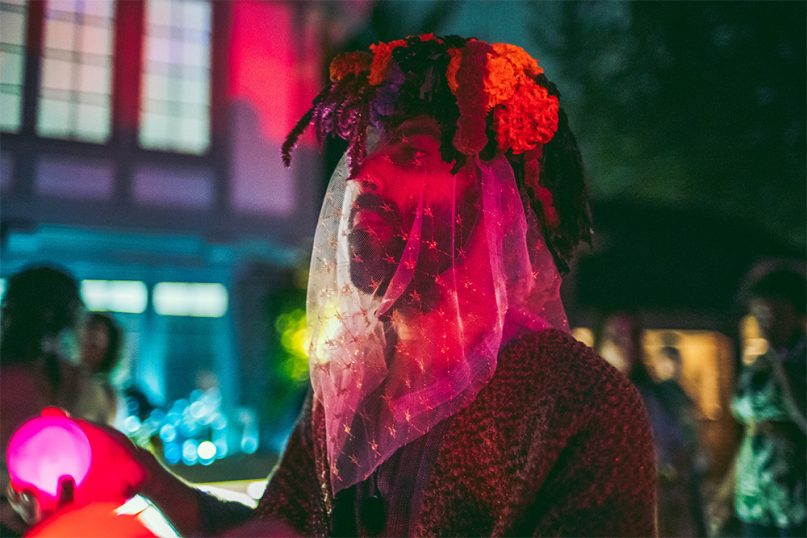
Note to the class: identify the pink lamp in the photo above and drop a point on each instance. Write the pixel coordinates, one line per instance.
(44, 451)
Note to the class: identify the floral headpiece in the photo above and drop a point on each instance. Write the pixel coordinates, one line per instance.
(487, 98)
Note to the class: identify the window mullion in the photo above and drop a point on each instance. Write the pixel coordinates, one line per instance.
(219, 127)
(26, 157)
(33, 66)
(127, 71)
(126, 88)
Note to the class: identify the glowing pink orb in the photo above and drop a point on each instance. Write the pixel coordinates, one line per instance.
(46, 448)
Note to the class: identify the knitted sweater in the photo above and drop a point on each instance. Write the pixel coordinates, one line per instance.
(557, 444)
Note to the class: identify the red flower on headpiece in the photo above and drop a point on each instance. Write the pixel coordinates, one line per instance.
(519, 57)
(349, 63)
(527, 119)
(508, 66)
(501, 80)
(382, 54)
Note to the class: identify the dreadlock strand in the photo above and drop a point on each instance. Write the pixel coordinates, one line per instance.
(301, 125)
(294, 136)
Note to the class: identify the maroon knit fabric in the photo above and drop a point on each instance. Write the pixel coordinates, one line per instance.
(557, 444)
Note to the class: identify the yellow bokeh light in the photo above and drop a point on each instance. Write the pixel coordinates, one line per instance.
(294, 340)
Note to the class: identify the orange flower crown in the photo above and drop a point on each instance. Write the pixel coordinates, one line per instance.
(488, 98)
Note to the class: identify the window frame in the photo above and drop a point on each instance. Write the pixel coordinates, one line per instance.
(26, 146)
(173, 31)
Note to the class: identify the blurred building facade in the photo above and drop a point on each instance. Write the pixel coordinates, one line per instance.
(140, 150)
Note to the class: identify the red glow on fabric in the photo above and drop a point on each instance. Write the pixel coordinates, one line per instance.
(272, 69)
(43, 450)
(93, 521)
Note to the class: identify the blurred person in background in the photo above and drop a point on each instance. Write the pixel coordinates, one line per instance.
(448, 397)
(41, 315)
(101, 345)
(672, 417)
(767, 480)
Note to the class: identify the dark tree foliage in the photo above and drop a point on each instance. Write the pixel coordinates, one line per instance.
(699, 104)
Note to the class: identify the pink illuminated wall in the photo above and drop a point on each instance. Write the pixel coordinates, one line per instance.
(274, 74)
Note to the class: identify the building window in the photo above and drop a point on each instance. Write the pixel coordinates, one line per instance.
(175, 103)
(13, 14)
(129, 296)
(206, 300)
(76, 70)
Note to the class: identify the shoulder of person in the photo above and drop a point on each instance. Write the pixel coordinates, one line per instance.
(558, 356)
(553, 363)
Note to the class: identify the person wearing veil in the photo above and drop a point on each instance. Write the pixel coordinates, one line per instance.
(448, 397)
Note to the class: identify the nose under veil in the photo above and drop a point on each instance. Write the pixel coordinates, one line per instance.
(387, 363)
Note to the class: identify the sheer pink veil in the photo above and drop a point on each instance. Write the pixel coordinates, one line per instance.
(391, 356)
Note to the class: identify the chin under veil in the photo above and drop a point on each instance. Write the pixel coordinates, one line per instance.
(409, 303)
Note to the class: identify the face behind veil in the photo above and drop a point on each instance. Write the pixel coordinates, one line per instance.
(418, 278)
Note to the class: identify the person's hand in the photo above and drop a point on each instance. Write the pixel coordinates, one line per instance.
(10, 519)
(24, 504)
